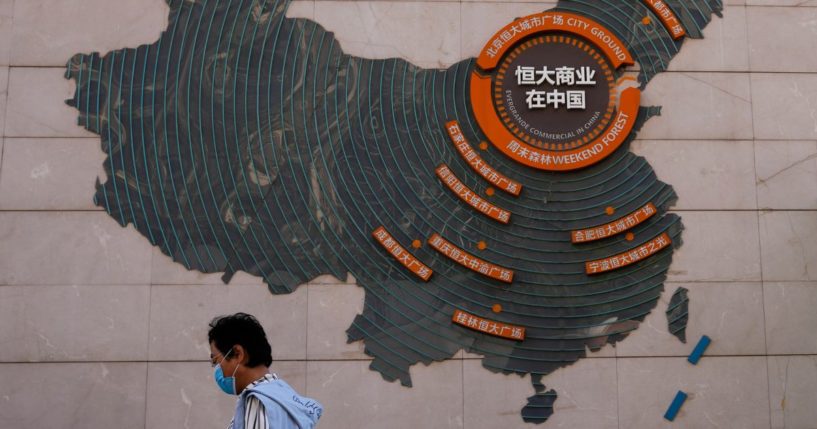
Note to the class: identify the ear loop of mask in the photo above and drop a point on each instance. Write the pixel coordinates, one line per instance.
(222, 380)
(236, 366)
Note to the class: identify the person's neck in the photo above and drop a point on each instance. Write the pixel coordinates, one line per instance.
(248, 375)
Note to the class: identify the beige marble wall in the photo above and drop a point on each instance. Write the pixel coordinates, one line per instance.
(106, 332)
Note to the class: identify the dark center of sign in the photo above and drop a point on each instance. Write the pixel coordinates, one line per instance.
(554, 92)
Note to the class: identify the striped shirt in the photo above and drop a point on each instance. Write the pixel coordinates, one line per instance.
(254, 415)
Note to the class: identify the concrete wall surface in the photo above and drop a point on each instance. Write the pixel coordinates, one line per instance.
(100, 330)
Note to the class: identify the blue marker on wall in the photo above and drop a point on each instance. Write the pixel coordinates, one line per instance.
(675, 406)
(696, 354)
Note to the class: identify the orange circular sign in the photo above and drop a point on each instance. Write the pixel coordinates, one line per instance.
(545, 92)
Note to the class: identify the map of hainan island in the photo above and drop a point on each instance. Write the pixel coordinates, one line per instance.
(492, 207)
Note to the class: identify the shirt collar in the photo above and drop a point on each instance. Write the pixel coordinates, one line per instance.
(265, 379)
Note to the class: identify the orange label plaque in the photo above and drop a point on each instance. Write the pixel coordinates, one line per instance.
(401, 254)
(543, 159)
(471, 197)
(623, 259)
(470, 261)
(565, 22)
(615, 227)
(667, 17)
(489, 327)
(478, 164)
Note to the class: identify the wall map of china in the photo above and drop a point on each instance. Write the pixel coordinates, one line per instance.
(243, 140)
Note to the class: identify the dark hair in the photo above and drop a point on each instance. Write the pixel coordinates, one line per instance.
(241, 328)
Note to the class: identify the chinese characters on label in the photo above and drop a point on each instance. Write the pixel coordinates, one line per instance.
(399, 252)
(615, 227)
(520, 28)
(471, 197)
(489, 327)
(478, 164)
(560, 76)
(630, 257)
(470, 261)
(553, 21)
(668, 18)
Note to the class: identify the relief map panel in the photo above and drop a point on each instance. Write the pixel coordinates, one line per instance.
(243, 140)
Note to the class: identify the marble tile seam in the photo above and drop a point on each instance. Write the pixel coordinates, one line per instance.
(52, 210)
(760, 210)
(767, 6)
(203, 361)
(758, 184)
(666, 72)
(147, 349)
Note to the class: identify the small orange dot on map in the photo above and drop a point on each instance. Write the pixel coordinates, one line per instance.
(489, 191)
(482, 245)
(416, 244)
(496, 308)
(646, 20)
(630, 236)
(483, 146)
(609, 210)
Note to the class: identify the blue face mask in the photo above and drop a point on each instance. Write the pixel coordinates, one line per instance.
(227, 384)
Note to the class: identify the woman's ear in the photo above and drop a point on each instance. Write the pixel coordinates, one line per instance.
(241, 354)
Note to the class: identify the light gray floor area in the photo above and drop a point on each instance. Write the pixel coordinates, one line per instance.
(99, 330)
